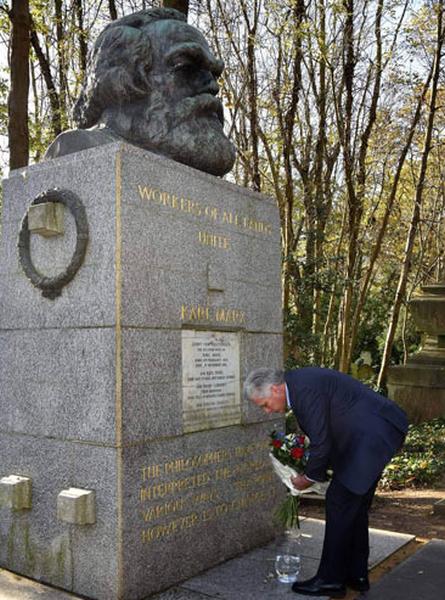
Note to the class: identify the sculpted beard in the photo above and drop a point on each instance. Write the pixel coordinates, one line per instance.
(190, 132)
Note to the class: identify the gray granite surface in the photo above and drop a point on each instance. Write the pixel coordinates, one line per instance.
(58, 383)
(89, 299)
(34, 542)
(251, 576)
(91, 382)
(164, 209)
(196, 500)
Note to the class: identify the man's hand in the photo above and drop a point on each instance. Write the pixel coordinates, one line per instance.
(301, 482)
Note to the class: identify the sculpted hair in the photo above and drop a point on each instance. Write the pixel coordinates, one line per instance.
(119, 64)
(258, 382)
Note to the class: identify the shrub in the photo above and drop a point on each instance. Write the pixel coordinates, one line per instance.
(421, 462)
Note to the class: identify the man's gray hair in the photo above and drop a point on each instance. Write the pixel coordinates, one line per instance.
(258, 382)
(120, 62)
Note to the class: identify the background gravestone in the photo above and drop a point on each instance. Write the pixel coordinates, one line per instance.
(120, 395)
(419, 385)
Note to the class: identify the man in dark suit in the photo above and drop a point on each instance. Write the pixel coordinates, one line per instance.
(355, 432)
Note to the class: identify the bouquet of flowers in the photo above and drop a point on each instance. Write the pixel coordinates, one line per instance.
(289, 455)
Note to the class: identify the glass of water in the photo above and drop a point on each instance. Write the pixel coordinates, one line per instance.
(287, 567)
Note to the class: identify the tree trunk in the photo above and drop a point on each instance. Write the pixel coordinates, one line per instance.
(354, 208)
(83, 47)
(406, 265)
(181, 5)
(251, 21)
(18, 96)
(53, 95)
(37, 118)
(61, 62)
(389, 207)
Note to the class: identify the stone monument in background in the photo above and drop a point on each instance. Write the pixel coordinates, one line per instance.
(135, 294)
(419, 386)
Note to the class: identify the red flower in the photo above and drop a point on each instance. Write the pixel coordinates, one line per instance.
(301, 439)
(276, 443)
(297, 452)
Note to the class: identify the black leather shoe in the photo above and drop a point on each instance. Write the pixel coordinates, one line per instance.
(359, 584)
(320, 587)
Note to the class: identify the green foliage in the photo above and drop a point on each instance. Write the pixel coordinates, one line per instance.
(301, 340)
(422, 459)
(287, 513)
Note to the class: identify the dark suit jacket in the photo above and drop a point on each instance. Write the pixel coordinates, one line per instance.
(352, 429)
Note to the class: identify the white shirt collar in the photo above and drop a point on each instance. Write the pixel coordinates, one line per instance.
(287, 397)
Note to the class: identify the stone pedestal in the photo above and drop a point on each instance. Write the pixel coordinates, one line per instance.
(125, 382)
(419, 386)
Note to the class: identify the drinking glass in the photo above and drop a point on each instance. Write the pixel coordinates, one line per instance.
(287, 567)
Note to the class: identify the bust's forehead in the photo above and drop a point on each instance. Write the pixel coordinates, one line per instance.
(168, 33)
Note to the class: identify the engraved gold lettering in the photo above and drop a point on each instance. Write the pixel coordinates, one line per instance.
(215, 511)
(257, 226)
(200, 460)
(211, 212)
(151, 471)
(204, 496)
(230, 315)
(190, 206)
(172, 487)
(206, 211)
(162, 510)
(230, 218)
(249, 479)
(146, 193)
(165, 530)
(223, 473)
(213, 240)
(195, 313)
(165, 199)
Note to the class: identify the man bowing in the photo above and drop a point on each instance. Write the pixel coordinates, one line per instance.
(355, 432)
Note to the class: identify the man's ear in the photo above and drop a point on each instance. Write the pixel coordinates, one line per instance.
(275, 389)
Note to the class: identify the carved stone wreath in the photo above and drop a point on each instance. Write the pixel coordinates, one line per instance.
(51, 287)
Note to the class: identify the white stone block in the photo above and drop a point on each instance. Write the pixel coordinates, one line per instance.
(15, 492)
(77, 506)
(46, 219)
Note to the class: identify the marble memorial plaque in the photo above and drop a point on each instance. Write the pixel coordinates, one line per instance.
(210, 380)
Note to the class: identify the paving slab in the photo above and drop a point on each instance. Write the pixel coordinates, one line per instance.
(419, 577)
(15, 587)
(181, 594)
(381, 543)
(250, 576)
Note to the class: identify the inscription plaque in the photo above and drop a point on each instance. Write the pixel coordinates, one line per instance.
(210, 380)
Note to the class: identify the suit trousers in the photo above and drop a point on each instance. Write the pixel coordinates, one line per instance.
(346, 540)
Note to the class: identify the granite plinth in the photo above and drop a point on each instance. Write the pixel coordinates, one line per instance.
(419, 385)
(419, 389)
(91, 382)
(249, 576)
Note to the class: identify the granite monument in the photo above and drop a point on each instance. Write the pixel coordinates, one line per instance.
(136, 293)
(419, 385)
